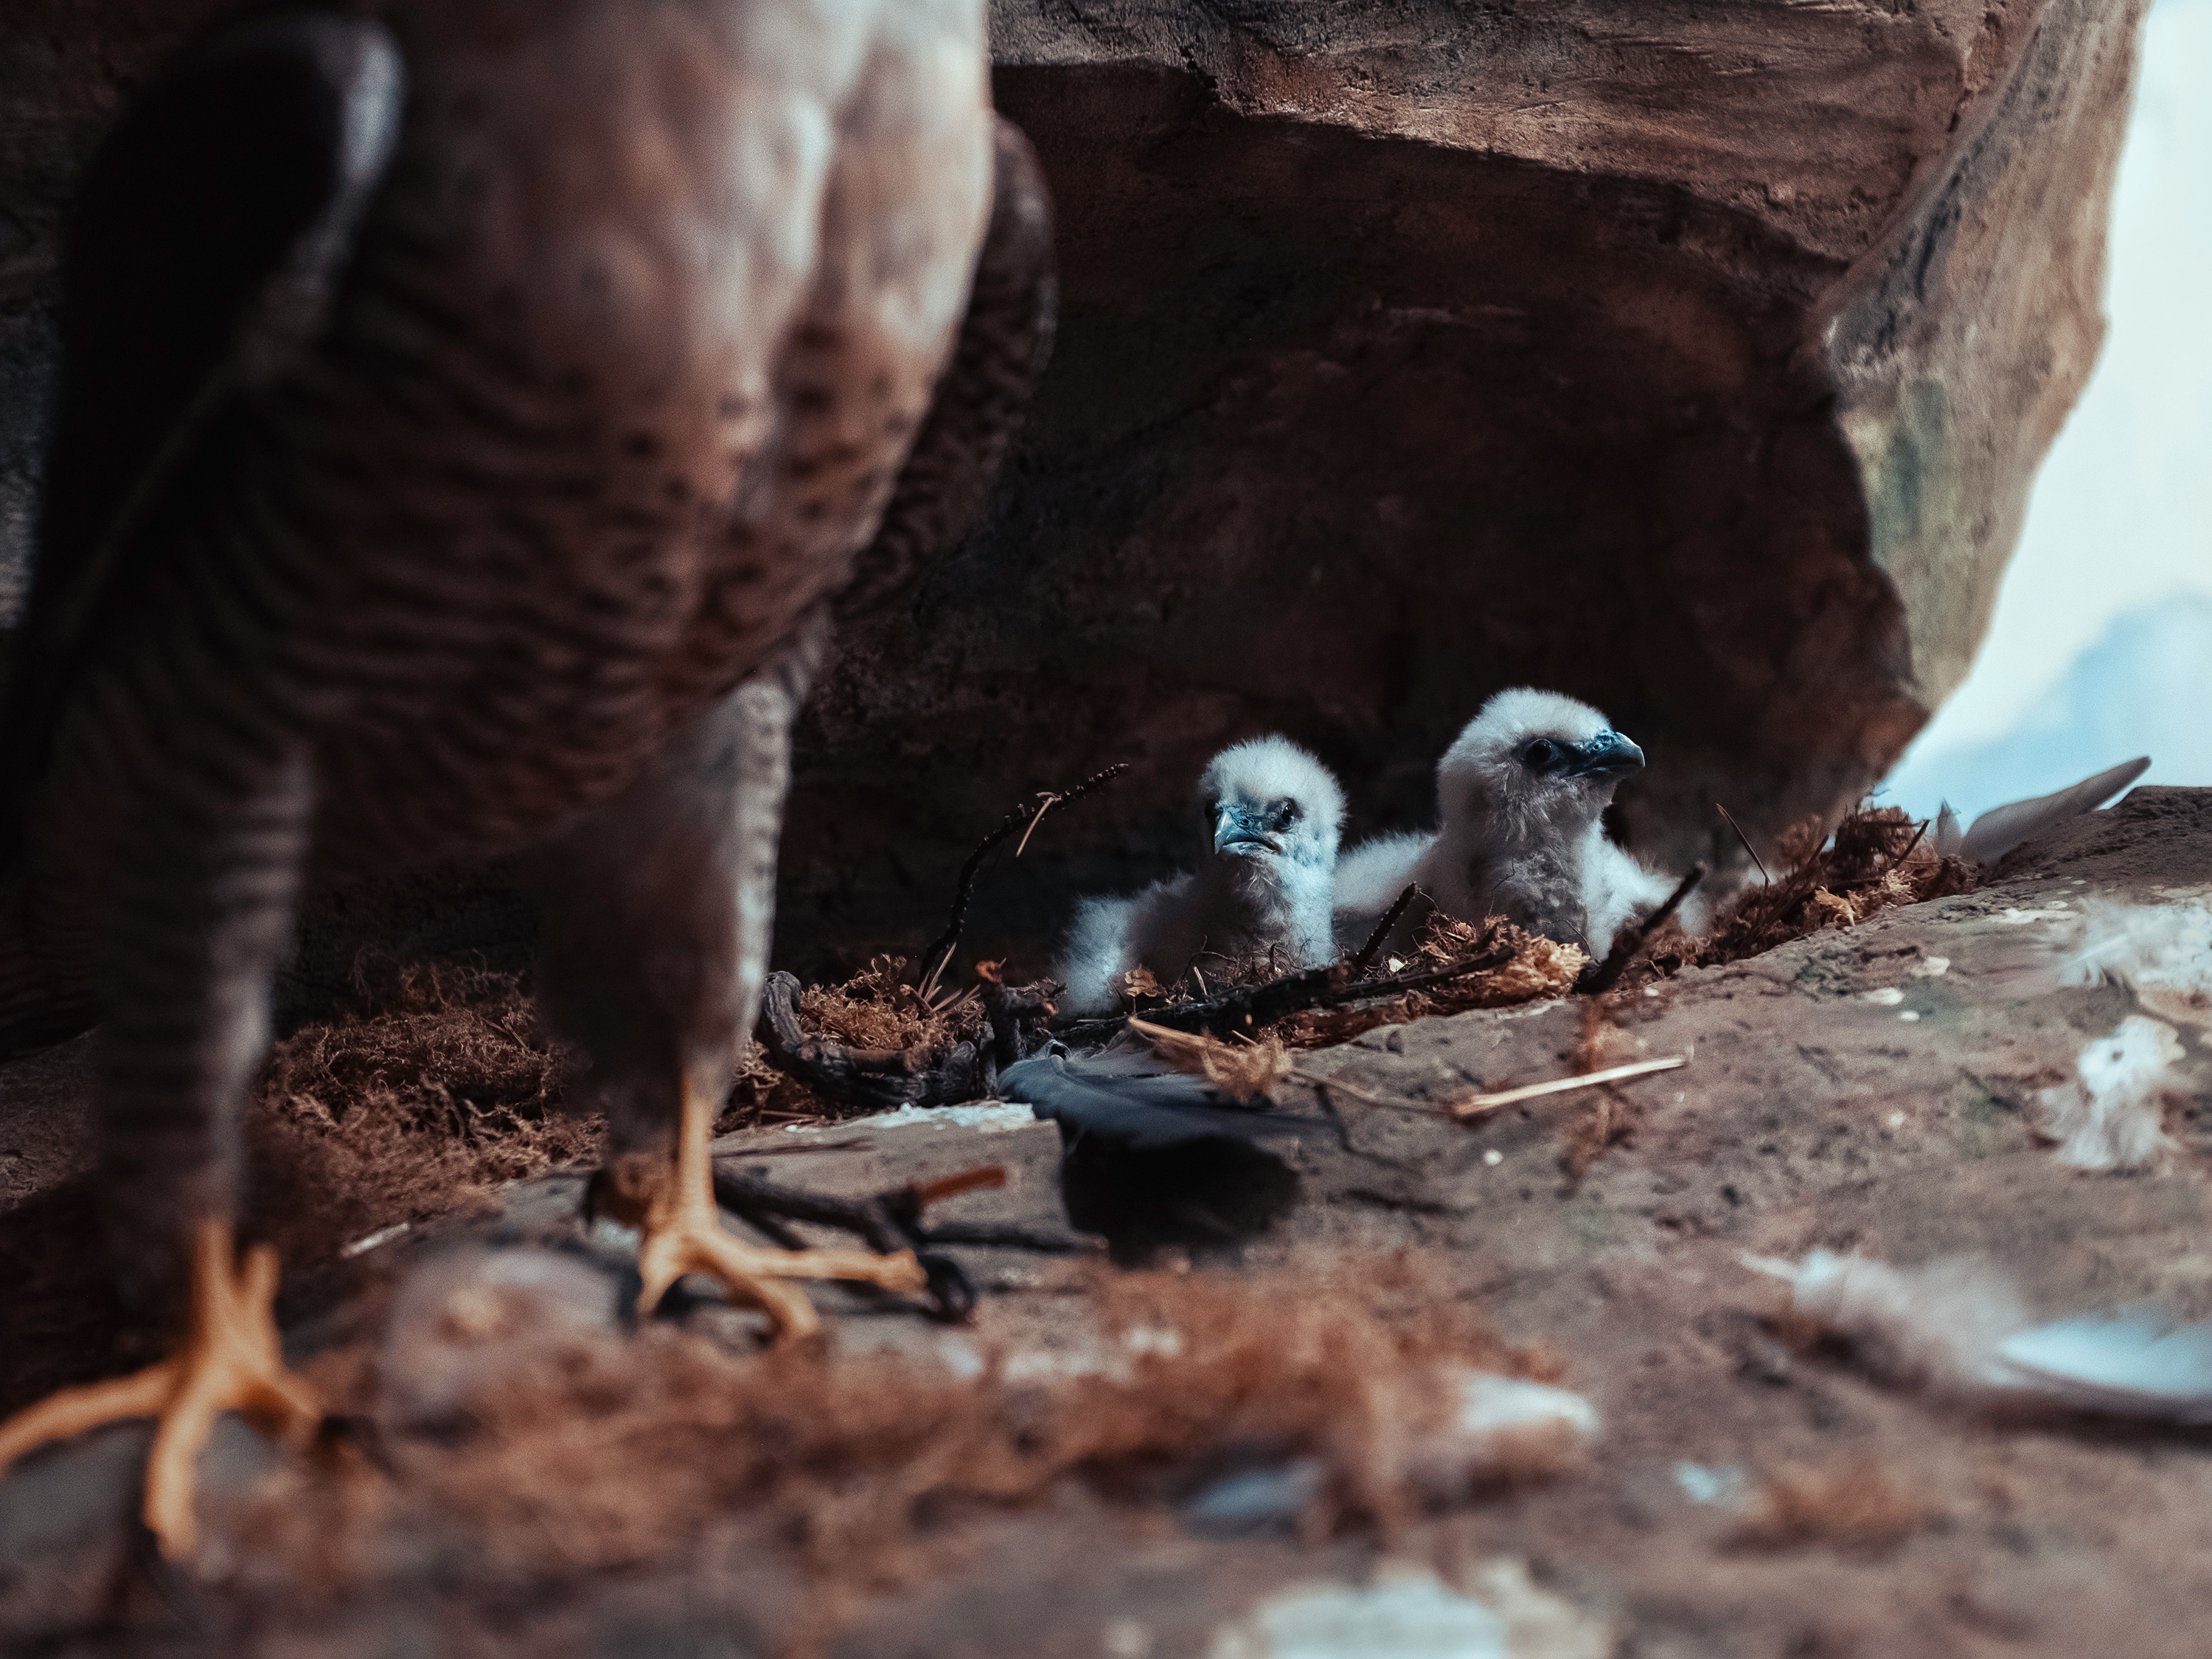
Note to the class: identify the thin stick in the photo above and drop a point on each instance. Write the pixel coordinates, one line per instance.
(1025, 818)
(988, 1179)
(1897, 863)
(1369, 950)
(1626, 946)
(1255, 1005)
(1745, 840)
(1326, 1085)
(1477, 1105)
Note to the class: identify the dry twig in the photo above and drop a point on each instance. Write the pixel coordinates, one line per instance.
(1476, 1105)
(1626, 946)
(1024, 818)
(1373, 948)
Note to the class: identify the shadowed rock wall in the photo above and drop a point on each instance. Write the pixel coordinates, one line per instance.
(1693, 360)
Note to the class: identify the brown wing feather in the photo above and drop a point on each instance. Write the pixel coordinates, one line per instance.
(208, 232)
(1005, 341)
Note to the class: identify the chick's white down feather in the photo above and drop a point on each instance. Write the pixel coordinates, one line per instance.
(2112, 1114)
(1271, 816)
(1520, 794)
(1959, 1327)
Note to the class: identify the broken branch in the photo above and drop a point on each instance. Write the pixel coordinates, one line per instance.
(940, 954)
(1626, 946)
(1369, 951)
(1255, 1005)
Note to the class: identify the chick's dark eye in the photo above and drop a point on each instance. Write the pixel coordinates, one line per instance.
(1284, 813)
(1540, 754)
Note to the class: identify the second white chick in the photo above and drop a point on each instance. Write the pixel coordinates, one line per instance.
(1272, 814)
(1520, 793)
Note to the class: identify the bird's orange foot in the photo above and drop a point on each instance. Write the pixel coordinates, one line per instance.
(229, 1361)
(683, 1233)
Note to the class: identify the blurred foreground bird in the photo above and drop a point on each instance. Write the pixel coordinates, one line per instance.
(1272, 814)
(1520, 794)
(468, 413)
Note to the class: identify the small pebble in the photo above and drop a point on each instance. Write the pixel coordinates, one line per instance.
(1493, 1158)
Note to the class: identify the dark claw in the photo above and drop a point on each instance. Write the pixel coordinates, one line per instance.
(951, 1292)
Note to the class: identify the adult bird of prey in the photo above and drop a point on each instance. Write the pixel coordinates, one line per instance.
(1519, 795)
(469, 411)
(1270, 814)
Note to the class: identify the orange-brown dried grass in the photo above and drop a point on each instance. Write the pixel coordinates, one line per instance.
(618, 1450)
(1857, 1507)
(439, 1084)
(1879, 857)
(1538, 969)
(876, 1009)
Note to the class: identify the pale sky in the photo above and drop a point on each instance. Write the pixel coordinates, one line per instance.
(2121, 515)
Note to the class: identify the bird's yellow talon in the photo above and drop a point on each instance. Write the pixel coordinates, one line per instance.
(683, 1233)
(230, 1361)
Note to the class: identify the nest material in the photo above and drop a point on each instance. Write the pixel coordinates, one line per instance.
(439, 1084)
(1857, 1508)
(1536, 968)
(1243, 1071)
(875, 1012)
(604, 1451)
(1878, 857)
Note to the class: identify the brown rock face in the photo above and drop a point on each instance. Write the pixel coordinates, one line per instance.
(1695, 360)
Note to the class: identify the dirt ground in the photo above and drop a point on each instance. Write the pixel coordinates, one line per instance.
(518, 1467)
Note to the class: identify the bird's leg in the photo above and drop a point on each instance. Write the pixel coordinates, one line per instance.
(203, 878)
(684, 1233)
(229, 1361)
(659, 908)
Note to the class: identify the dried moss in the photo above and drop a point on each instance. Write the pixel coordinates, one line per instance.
(439, 1084)
(1536, 969)
(607, 1450)
(1878, 857)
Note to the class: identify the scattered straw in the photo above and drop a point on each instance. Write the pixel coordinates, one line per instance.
(1476, 1105)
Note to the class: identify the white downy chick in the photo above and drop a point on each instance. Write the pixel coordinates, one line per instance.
(1520, 794)
(1271, 815)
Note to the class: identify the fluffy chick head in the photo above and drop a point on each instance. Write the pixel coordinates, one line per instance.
(1269, 801)
(1532, 760)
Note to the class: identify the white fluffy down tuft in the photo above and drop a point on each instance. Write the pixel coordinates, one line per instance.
(1959, 1327)
(2112, 1114)
(2162, 952)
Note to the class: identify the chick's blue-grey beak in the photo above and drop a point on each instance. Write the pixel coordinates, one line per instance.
(1608, 755)
(1242, 829)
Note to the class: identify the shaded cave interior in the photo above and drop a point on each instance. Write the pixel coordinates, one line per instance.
(1342, 434)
